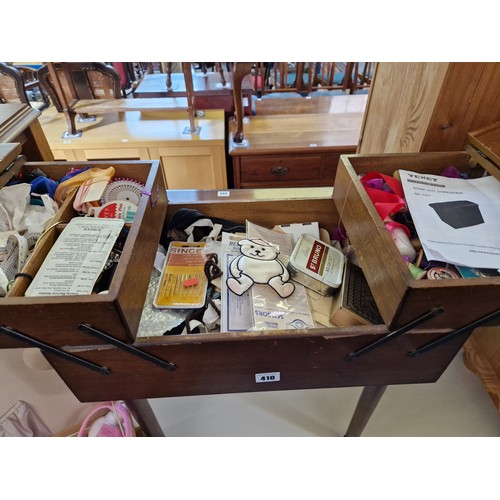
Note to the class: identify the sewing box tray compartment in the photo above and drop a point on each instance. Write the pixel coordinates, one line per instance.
(253, 361)
(55, 320)
(399, 297)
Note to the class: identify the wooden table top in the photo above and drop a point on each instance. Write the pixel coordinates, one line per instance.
(270, 134)
(155, 85)
(142, 129)
(350, 103)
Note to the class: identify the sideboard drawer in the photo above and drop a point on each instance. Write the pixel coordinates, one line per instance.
(280, 168)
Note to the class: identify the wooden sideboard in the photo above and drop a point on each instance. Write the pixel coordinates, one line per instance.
(292, 150)
(189, 161)
(415, 107)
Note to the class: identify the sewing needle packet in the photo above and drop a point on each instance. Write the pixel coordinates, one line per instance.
(183, 283)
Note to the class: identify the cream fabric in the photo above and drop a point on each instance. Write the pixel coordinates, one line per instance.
(22, 421)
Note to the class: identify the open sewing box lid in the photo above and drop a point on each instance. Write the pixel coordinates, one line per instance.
(117, 312)
(400, 298)
(484, 148)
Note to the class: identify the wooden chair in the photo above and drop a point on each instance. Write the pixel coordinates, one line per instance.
(279, 77)
(95, 88)
(16, 82)
(68, 83)
(81, 80)
(362, 75)
(328, 76)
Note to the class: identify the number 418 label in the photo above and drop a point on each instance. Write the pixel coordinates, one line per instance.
(267, 377)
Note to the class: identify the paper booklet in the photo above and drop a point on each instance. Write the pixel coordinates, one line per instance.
(77, 258)
(457, 220)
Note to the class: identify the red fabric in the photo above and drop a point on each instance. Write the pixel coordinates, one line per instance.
(385, 203)
(120, 68)
(393, 183)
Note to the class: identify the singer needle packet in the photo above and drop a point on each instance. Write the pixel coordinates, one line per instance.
(183, 283)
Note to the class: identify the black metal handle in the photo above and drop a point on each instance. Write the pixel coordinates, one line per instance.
(279, 170)
(53, 350)
(85, 327)
(396, 333)
(456, 333)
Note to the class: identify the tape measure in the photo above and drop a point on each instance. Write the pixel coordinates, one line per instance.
(117, 210)
(123, 190)
(441, 273)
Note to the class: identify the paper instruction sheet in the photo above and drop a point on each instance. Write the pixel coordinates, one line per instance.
(457, 220)
(77, 258)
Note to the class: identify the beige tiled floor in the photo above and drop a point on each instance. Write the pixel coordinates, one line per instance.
(456, 405)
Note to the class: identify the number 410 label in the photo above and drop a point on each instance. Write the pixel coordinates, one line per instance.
(267, 377)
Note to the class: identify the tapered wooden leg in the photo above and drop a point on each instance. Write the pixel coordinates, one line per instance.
(367, 403)
(188, 79)
(240, 71)
(169, 76)
(220, 69)
(71, 124)
(143, 413)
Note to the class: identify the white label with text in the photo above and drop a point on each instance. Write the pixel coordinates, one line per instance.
(267, 377)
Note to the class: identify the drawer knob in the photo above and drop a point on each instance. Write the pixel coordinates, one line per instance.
(279, 170)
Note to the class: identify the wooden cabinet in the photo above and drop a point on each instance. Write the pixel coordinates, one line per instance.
(429, 106)
(189, 161)
(197, 167)
(292, 150)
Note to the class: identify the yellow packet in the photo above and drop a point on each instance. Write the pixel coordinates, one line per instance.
(183, 284)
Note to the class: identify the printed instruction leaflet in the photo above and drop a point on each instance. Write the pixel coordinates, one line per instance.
(457, 220)
(77, 258)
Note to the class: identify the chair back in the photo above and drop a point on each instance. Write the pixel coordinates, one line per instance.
(279, 77)
(12, 85)
(81, 80)
(327, 76)
(362, 75)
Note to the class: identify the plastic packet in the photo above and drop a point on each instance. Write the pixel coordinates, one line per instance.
(270, 310)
